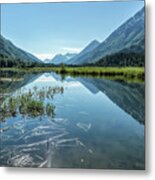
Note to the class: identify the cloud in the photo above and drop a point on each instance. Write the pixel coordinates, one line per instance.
(44, 56)
(71, 50)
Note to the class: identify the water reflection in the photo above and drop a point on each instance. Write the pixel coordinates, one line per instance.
(96, 123)
(128, 96)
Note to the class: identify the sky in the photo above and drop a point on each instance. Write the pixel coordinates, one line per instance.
(47, 29)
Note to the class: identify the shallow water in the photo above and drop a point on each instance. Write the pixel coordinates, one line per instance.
(98, 123)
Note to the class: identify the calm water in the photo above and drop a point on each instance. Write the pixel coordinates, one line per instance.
(98, 123)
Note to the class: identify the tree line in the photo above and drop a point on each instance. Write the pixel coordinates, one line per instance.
(122, 59)
(6, 61)
(115, 60)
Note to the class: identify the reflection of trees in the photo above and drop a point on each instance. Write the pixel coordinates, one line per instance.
(11, 81)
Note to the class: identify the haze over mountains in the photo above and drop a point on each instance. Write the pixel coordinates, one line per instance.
(79, 58)
(59, 58)
(127, 38)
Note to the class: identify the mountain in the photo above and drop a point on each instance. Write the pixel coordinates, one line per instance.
(128, 38)
(46, 61)
(10, 52)
(59, 58)
(84, 54)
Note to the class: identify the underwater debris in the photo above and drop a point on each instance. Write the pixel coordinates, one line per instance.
(21, 160)
(84, 126)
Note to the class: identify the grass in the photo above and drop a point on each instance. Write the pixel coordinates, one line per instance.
(25, 105)
(32, 103)
(122, 72)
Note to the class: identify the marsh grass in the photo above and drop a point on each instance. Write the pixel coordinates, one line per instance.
(31, 103)
(123, 72)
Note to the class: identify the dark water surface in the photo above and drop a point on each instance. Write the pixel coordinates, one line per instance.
(98, 123)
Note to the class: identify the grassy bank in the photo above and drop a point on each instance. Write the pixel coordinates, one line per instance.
(124, 72)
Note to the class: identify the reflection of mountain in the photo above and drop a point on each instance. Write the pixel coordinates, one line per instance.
(129, 97)
(13, 81)
(88, 84)
(56, 76)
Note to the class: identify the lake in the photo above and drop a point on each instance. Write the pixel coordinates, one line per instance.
(95, 122)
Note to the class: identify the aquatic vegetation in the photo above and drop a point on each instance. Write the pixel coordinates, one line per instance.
(50, 110)
(31, 103)
(12, 106)
(33, 108)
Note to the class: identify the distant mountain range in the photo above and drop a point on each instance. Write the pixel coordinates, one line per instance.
(46, 61)
(59, 58)
(74, 58)
(10, 51)
(84, 54)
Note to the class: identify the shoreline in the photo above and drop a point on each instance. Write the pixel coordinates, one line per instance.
(120, 73)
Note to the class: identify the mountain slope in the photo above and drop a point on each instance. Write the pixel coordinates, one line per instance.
(10, 51)
(59, 58)
(84, 54)
(129, 37)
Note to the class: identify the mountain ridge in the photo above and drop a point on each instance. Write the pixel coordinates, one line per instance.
(10, 51)
(91, 46)
(60, 58)
(128, 37)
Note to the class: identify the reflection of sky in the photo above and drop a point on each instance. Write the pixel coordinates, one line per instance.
(47, 80)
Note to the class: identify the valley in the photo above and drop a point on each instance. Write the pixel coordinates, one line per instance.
(72, 91)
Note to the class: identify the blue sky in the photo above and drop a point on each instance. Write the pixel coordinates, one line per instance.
(47, 29)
